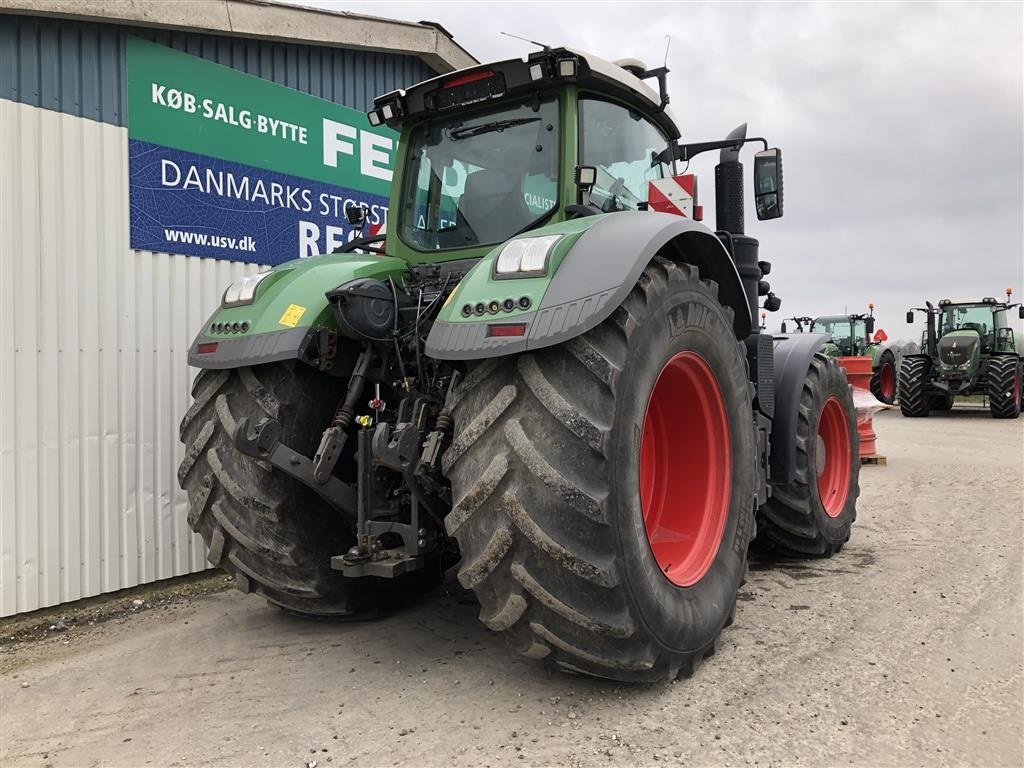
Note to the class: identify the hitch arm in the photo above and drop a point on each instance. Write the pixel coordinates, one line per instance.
(264, 444)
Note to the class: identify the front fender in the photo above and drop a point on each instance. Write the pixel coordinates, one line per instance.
(594, 268)
(792, 359)
(288, 303)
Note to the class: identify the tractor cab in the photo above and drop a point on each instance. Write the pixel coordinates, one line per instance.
(491, 152)
(851, 334)
(496, 151)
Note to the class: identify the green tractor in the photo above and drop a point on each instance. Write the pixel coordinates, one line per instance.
(535, 376)
(968, 348)
(851, 336)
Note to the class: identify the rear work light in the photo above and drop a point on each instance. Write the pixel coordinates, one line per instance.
(498, 330)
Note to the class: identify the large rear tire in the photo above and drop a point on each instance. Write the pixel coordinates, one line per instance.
(274, 535)
(580, 471)
(1004, 386)
(883, 378)
(914, 401)
(812, 515)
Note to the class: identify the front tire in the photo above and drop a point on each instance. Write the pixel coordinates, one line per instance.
(883, 378)
(812, 515)
(554, 465)
(1004, 386)
(914, 401)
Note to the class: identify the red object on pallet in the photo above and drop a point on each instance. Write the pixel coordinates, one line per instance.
(858, 373)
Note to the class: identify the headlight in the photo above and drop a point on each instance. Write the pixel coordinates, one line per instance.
(525, 256)
(242, 291)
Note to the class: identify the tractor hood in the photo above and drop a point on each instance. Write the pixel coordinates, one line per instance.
(960, 350)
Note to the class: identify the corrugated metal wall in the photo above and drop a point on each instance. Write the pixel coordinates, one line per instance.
(78, 67)
(94, 381)
(93, 335)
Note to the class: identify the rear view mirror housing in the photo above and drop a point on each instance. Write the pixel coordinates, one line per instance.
(768, 184)
(784, 326)
(910, 317)
(1020, 311)
(869, 325)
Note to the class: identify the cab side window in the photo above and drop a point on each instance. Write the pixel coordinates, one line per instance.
(623, 146)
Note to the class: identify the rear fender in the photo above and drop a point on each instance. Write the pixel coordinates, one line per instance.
(602, 263)
(290, 303)
(877, 352)
(793, 355)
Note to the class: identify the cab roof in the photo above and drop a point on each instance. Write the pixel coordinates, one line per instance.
(515, 78)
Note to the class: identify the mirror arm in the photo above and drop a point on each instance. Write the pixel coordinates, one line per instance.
(687, 152)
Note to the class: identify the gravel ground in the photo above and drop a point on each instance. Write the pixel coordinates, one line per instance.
(906, 649)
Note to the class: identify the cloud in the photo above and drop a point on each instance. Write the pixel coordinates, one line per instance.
(901, 125)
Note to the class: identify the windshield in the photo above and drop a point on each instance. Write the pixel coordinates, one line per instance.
(842, 333)
(480, 180)
(953, 318)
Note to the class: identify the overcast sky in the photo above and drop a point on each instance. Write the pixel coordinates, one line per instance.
(901, 127)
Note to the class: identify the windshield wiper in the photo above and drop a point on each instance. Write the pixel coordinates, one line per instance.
(498, 125)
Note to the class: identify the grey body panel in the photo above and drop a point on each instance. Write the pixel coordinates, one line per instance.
(792, 359)
(596, 276)
(251, 350)
(469, 341)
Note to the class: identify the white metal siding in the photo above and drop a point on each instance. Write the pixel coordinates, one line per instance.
(93, 379)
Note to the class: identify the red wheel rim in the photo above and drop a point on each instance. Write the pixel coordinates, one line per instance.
(833, 459)
(685, 469)
(888, 381)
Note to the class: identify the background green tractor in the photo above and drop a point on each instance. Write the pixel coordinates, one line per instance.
(536, 376)
(968, 348)
(851, 336)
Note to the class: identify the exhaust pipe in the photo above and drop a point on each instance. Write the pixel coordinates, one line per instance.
(729, 185)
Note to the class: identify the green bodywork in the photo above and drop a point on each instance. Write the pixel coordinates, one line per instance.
(304, 282)
(481, 285)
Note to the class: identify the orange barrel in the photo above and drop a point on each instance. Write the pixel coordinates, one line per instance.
(858, 373)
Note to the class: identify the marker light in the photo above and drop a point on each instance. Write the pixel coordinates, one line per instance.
(536, 72)
(243, 291)
(525, 256)
(506, 329)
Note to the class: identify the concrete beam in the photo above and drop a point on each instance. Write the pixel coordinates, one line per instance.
(265, 20)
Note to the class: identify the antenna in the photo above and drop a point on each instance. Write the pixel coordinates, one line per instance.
(546, 48)
(668, 43)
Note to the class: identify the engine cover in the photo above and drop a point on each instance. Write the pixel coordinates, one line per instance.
(958, 350)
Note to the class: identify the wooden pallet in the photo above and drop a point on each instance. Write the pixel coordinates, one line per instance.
(874, 458)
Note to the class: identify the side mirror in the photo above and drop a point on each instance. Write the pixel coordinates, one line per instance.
(869, 325)
(768, 184)
(1020, 311)
(910, 317)
(355, 215)
(784, 326)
